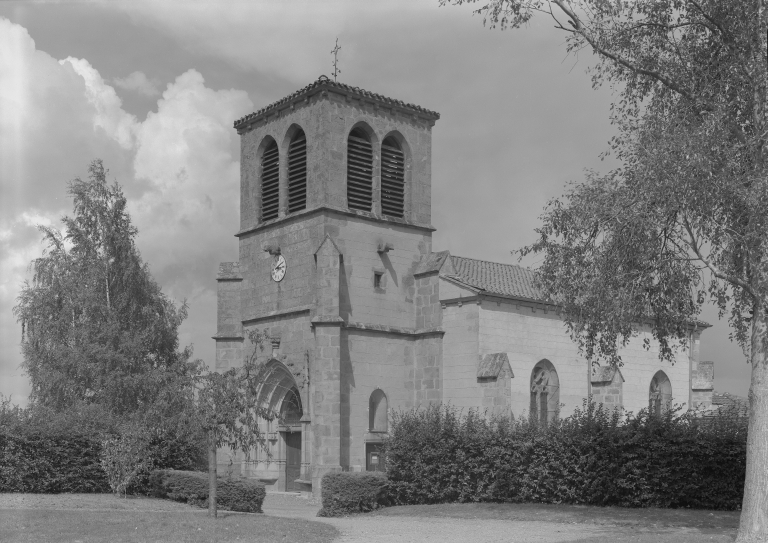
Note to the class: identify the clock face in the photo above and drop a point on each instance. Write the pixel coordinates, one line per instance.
(278, 268)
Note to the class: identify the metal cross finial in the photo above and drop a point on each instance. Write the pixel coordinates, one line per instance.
(335, 52)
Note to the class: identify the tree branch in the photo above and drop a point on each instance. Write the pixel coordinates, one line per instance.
(579, 28)
(693, 244)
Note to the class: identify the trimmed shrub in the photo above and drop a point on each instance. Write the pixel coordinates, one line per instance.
(45, 451)
(593, 457)
(191, 487)
(349, 492)
(37, 462)
(42, 451)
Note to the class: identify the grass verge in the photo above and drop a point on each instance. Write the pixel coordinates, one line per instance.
(193, 526)
(623, 525)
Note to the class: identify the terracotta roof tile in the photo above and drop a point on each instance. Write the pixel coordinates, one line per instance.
(496, 278)
(323, 81)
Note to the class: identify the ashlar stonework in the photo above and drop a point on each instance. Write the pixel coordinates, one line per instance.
(368, 318)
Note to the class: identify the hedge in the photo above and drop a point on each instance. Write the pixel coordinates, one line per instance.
(44, 451)
(37, 462)
(191, 487)
(352, 492)
(593, 457)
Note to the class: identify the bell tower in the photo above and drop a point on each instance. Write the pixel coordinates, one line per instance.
(301, 153)
(335, 217)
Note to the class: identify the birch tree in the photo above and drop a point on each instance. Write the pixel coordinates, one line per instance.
(682, 221)
(96, 326)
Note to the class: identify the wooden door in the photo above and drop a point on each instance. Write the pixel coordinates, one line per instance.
(292, 460)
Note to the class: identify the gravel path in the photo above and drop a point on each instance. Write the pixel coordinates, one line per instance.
(380, 529)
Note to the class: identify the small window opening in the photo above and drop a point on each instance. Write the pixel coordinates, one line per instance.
(359, 171)
(377, 411)
(377, 279)
(270, 182)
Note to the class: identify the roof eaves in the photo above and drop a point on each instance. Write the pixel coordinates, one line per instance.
(457, 280)
(324, 82)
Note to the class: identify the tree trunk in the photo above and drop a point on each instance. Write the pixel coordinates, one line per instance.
(212, 510)
(753, 526)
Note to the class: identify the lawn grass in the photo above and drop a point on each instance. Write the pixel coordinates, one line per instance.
(622, 525)
(193, 526)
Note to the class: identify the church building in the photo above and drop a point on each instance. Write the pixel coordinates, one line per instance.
(336, 263)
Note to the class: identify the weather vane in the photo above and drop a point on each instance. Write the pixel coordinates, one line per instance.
(335, 52)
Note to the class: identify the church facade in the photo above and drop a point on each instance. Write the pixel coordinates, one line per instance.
(336, 264)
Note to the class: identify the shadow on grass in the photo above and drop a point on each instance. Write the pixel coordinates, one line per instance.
(703, 521)
(193, 526)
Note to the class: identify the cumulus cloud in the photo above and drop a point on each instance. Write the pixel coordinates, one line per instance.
(180, 168)
(138, 82)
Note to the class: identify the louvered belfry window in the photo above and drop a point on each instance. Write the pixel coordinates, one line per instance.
(270, 182)
(359, 171)
(392, 178)
(297, 173)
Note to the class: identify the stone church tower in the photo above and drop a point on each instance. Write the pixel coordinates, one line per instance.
(336, 265)
(335, 218)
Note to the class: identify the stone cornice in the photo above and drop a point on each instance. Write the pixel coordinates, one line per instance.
(225, 337)
(278, 313)
(333, 209)
(368, 327)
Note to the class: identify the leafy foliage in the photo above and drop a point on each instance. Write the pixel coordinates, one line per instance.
(593, 457)
(123, 459)
(97, 328)
(683, 220)
(191, 487)
(43, 450)
(349, 492)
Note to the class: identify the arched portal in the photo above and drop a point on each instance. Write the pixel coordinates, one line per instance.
(279, 394)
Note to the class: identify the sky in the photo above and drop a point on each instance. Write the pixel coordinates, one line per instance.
(153, 88)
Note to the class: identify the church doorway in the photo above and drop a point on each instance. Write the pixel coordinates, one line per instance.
(292, 460)
(290, 417)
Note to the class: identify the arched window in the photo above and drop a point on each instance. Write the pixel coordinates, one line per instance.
(270, 182)
(297, 173)
(545, 392)
(359, 171)
(660, 393)
(290, 409)
(377, 411)
(392, 178)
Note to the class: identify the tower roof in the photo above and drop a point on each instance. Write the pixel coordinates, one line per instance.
(324, 83)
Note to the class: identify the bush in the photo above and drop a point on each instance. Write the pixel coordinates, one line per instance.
(191, 487)
(48, 451)
(348, 492)
(42, 451)
(593, 457)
